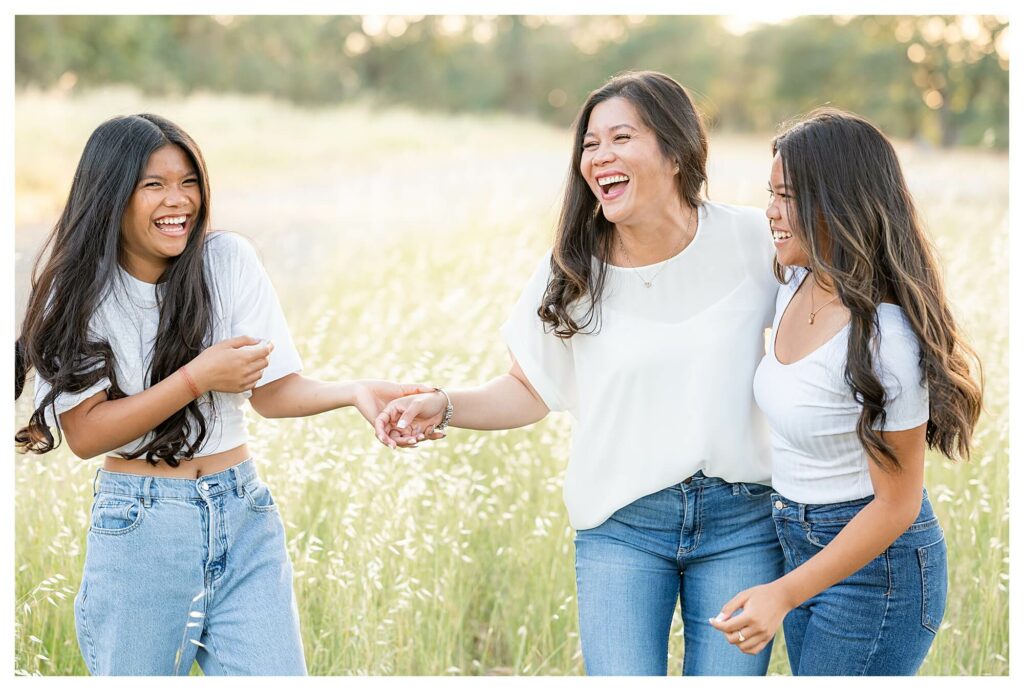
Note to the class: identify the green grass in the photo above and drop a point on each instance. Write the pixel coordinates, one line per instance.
(456, 558)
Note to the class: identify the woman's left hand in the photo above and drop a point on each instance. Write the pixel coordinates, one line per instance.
(764, 607)
(371, 395)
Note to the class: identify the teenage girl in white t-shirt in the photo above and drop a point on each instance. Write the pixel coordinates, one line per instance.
(865, 369)
(148, 333)
(645, 322)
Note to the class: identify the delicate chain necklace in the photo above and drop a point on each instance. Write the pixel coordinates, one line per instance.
(648, 282)
(810, 317)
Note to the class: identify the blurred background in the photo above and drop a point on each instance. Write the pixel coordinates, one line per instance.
(401, 176)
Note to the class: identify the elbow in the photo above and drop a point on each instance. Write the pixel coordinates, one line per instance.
(82, 448)
(902, 514)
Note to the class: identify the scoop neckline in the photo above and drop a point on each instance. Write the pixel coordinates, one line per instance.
(845, 327)
(701, 211)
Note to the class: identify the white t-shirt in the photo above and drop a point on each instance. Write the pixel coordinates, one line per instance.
(663, 389)
(244, 304)
(817, 457)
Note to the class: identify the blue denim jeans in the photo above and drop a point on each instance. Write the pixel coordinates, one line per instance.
(699, 543)
(178, 570)
(882, 619)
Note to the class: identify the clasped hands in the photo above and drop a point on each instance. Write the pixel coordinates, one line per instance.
(402, 415)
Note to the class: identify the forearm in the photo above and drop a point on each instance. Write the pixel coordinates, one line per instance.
(297, 396)
(110, 424)
(867, 535)
(502, 403)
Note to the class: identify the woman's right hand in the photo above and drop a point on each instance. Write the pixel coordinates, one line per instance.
(411, 419)
(233, 365)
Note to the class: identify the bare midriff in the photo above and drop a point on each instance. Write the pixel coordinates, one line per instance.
(191, 468)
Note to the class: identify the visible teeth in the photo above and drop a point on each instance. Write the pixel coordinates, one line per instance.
(172, 220)
(611, 179)
(781, 234)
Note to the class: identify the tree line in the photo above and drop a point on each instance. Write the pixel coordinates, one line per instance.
(937, 79)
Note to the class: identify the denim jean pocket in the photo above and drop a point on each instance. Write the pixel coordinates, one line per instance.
(934, 583)
(258, 496)
(115, 515)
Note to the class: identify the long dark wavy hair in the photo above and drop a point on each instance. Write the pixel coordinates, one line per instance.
(857, 221)
(84, 249)
(583, 231)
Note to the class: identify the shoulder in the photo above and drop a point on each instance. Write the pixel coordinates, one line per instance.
(899, 349)
(743, 219)
(225, 247)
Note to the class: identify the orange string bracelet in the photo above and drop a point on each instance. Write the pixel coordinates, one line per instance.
(190, 381)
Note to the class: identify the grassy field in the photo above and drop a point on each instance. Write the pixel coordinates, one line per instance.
(398, 242)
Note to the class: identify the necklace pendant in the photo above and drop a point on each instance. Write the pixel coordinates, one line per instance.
(810, 319)
(647, 284)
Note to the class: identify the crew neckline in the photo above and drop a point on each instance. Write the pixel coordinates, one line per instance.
(701, 212)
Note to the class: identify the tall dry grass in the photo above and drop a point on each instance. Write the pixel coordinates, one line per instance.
(398, 242)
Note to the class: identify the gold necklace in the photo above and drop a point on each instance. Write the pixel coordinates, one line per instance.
(648, 282)
(810, 317)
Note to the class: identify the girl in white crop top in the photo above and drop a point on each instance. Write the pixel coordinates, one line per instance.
(865, 369)
(148, 333)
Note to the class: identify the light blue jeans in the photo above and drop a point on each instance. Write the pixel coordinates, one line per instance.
(882, 619)
(699, 543)
(178, 570)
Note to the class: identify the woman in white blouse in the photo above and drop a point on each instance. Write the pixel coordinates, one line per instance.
(866, 368)
(646, 323)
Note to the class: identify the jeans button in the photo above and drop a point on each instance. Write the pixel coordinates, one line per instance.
(779, 505)
(204, 486)
(688, 480)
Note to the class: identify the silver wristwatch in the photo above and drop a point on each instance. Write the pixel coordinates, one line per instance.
(448, 412)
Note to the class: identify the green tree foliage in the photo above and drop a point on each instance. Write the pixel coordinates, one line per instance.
(941, 79)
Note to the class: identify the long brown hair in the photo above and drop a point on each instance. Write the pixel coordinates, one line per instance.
(84, 249)
(857, 220)
(583, 231)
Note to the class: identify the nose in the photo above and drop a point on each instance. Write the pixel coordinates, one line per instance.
(772, 212)
(175, 197)
(603, 156)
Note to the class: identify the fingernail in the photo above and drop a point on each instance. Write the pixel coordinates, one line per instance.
(402, 424)
(720, 618)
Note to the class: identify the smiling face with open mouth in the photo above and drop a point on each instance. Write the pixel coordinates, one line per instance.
(624, 165)
(160, 214)
(782, 220)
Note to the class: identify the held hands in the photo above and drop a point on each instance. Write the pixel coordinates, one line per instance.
(370, 396)
(233, 365)
(764, 607)
(411, 419)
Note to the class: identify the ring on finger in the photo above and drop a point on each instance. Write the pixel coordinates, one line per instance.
(740, 634)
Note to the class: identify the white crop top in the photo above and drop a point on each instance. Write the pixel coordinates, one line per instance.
(244, 304)
(664, 388)
(817, 457)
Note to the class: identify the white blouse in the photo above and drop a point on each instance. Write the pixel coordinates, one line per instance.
(244, 304)
(663, 389)
(817, 457)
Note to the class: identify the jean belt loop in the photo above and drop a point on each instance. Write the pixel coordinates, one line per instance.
(147, 501)
(96, 479)
(238, 480)
(802, 512)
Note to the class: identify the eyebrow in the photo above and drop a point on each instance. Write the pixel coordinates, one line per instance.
(154, 176)
(588, 133)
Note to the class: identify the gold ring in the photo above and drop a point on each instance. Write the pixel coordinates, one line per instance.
(742, 638)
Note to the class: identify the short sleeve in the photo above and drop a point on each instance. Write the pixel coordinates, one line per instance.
(65, 401)
(546, 360)
(899, 368)
(257, 312)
